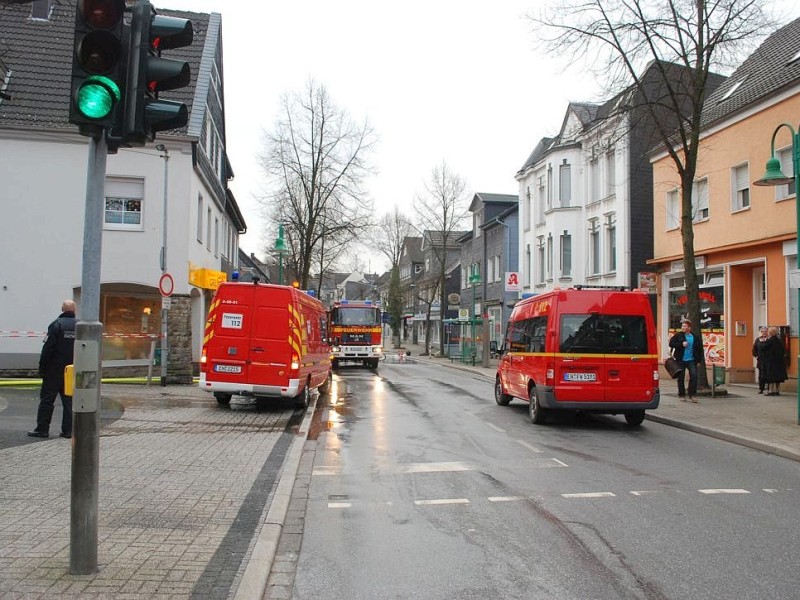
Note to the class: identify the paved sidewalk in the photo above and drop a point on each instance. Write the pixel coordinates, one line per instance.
(739, 414)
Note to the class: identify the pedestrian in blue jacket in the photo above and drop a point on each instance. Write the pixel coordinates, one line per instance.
(687, 349)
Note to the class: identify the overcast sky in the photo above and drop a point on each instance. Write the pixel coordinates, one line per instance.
(452, 80)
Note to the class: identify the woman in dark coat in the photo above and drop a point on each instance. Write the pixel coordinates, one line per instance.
(758, 354)
(774, 362)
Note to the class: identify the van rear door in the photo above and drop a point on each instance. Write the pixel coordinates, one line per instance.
(228, 349)
(270, 352)
(630, 348)
(580, 363)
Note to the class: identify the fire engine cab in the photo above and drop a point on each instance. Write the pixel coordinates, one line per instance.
(355, 330)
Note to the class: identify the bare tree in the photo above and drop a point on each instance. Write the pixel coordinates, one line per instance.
(316, 162)
(388, 236)
(619, 37)
(441, 210)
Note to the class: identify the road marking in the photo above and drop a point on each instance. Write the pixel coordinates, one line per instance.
(495, 427)
(770, 491)
(505, 498)
(340, 504)
(441, 501)
(590, 495)
(529, 447)
(560, 464)
(436, 467)
(723, 491)
(326, 470)
(644, 492)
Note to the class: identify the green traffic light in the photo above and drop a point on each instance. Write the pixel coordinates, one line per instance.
(97, 97)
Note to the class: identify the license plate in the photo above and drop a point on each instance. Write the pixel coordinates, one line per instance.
(580, 376)
(227, 368)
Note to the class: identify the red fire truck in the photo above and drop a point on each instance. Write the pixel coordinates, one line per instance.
(355, 330)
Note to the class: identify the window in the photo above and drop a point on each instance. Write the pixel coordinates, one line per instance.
(594, 245)
(564, 183)
(673, 209)
(611, 242)
(603, 334)
(477, 221)
(566, 254)
(540, 255)
(124, 198)
(497, 275)
(417, 269)
(700, 200)
(208, 229)
(541, 201)
(489, 270)
(199, 218)
(464, 280)
(527, 218)
(216, 237)
(611, 173)
(787, 190)
(549, 256)
(549, 187)
(740, 187)
(528, 264)
(594, 180)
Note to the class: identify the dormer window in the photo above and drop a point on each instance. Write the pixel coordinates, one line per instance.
(41, 9)
(477, 221)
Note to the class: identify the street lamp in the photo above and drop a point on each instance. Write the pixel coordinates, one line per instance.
(474, 281)
(280, 249)
(774, 177)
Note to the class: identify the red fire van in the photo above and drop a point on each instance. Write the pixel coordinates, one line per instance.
(266, 341)
(581, 349)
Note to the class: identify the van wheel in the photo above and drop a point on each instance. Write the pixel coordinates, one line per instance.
(302, 399)
(223, 399)
(334, 364)
(325, 388)
(634, 417)
(373, 364)
(535, 410)
(500, 397)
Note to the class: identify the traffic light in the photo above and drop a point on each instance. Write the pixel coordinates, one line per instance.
(148, 74)
(98, 64)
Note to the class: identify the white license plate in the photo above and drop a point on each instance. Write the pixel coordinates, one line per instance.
(580, 376)
(227, 368)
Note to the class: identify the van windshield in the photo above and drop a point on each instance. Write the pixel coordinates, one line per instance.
(603, 334)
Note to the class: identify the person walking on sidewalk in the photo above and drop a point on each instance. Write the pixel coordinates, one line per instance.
(687, 349)
(56, 354)
(774, 360)
(758, 354)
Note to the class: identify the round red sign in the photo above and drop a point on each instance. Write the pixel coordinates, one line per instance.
(166, 285)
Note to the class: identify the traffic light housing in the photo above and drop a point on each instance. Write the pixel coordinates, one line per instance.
(149, 74)
(98, 65)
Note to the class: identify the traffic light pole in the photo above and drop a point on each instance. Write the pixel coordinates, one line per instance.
(88, 351)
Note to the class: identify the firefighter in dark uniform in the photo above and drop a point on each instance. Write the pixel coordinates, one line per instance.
(56, 354)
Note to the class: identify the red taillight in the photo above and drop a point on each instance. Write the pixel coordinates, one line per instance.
(295, 362)
(203, 361)
(550, 375)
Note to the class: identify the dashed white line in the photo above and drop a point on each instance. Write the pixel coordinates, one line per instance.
(590, 495)
(437, 467)
(340, 504)
(644, 492)
(723, 491)
(325, 470)
(505, 498)
(563, 464)
(495, 427)
(441, 501)
(770, 491)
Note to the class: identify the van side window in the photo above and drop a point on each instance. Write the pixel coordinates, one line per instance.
(603, 334)
(517, 336)
(538, 332)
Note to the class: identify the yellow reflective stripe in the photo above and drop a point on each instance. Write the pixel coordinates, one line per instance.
(579, 355)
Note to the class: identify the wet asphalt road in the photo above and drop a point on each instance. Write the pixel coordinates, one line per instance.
(422, 487)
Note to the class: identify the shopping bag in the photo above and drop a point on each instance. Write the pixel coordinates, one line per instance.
(673, 367)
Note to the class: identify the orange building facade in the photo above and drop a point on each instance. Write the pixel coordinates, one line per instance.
(745, 236)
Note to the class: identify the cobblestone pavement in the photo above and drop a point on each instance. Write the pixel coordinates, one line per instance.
(185, 488)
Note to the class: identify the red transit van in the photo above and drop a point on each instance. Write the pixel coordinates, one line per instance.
(581, 349)
(265, 341)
